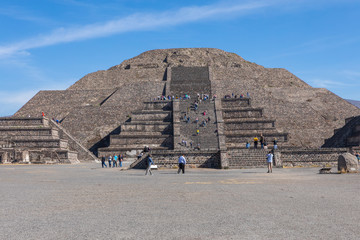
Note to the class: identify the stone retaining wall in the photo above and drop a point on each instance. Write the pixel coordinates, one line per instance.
(310, 157)
(169, 159)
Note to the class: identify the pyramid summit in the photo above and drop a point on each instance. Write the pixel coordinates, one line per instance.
(118, 109)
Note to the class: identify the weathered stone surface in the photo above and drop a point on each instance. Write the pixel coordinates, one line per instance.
(348, 163)
(100, 102)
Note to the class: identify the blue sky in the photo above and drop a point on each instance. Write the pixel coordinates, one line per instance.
(50, 44)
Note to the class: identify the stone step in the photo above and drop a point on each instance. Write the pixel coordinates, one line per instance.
(235, 102)
(280, 137)
(248, 120)
(158, 105)
(253, 132)
(130, 148)
(50, 143)
(163, 116)
(30, 138)
(9, 131)
(141, 139)
(18, 121)
(250, 125)
(247, 158)
(146, 127)
(245, 112)
(142, 133)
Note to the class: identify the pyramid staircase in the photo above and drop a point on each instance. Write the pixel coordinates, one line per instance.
(32, 140)
(151, 126)
(242, 123)
(207, 137)
(347, 136)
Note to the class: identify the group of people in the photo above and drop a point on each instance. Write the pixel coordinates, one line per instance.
(263, 143)
(115, 160)
(185, 144)
(236, 96)
(149, 161)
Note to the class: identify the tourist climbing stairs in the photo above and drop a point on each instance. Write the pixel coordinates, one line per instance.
(198, 126)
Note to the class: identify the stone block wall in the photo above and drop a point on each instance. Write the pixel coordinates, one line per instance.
(311, 157)
(239, 158)
(169, 159)
(190, 80)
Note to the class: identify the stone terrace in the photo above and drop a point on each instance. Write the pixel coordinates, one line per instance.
(347, 136)
(33, 140)
(151, 126)
(243, 123)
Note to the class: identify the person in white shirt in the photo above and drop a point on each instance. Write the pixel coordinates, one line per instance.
(182, 163)
(269, 161)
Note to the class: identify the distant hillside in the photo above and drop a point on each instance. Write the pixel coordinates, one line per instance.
(354, 102)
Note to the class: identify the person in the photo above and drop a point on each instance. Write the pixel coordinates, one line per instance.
(140, 155)
(103, 162)
(121, 159)
(115, 161)
(109, 159)
(269, 161)
(182, 162)
(262, 141)
(275, 143)
(149, 163)
(357, 156)
(247, 145)
(146, 149)
(197, 131)
(256, 140)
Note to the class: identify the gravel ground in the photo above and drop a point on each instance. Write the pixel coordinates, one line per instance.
(87, 202)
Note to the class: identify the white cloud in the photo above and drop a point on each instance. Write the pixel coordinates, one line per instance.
(324, 83)
(135, 22)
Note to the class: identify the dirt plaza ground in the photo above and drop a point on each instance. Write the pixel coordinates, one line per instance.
(85, 201)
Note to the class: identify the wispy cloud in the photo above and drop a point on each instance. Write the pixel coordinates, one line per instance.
(23, 15)
(134, 22)
(325, 83)
(350, 74)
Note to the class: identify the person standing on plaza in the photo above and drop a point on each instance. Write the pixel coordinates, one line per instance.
(149, 163)
(103, 162)
(182, 163)
(269, 161)
(109, 159)
(115, 161)
(121, 159)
